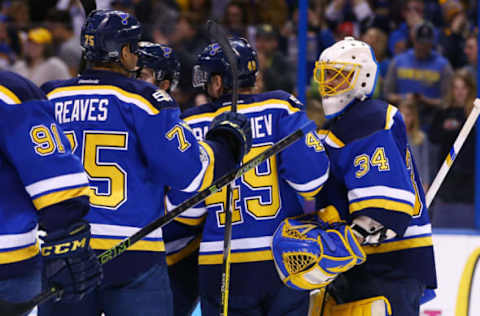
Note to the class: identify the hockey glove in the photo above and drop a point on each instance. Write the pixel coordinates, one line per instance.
(310, 254)
(69, 262)
(234, 128)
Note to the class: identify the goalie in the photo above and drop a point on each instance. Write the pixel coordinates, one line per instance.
(375, 189)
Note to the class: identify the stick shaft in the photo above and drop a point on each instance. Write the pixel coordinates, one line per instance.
(121, 247)
(218, 34)
(457, 145)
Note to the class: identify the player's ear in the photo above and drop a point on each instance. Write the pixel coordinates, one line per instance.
(164, 84)
(125, 51)
(216, 83)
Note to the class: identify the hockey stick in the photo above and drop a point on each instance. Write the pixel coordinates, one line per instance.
(216, 32)
(457, 145)
(20, 309)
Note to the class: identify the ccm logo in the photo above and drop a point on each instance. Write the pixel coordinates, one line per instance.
(64, 247)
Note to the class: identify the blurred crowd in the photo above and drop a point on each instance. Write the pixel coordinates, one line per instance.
(426, 51)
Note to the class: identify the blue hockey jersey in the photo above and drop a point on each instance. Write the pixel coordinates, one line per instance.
(37, 170)
(373, 173)
(133, 144)
(263, 197)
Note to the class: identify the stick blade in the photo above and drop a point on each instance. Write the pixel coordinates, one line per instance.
(15, 309)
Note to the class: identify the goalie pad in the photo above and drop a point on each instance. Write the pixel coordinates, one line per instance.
(373, 306)
(309, 254)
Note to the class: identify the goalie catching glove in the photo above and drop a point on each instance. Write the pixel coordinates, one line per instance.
(69, 262)
(309, 253)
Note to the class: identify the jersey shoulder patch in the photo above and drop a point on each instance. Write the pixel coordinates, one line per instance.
(361, 120)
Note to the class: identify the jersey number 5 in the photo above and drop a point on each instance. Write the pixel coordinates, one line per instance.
(94, 143)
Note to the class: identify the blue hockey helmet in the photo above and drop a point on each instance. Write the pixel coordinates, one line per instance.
(161, 59)
(105, 32)
(212, 61)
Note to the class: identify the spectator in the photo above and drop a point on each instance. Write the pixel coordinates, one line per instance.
(166, 17)
(319, 37)
(276, 71)
(7, 55)
(235, 19)
(452, 39)
(419, 143)
(187, 41)
(67, 44)
(200, 10)
(274, 12)
(471, 51)
(18, 13)
(39, 65)
(359, 10)
(412, 13)
(377, 39)
(419, 75)
(454, 203)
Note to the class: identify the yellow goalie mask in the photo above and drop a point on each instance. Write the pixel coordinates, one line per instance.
(344, 72)
(309, 253)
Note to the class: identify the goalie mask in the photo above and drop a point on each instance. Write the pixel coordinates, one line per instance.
(309, 254)
(345, 71)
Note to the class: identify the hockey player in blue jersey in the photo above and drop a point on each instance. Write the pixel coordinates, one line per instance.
(262, 198)
(42, 184)
(373, 186)
(159, 65)
(133, 144)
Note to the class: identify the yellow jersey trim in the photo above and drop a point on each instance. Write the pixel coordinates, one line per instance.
(331, 139)
(211, 115)
(310, 195)
(7, 92)
(381, 203)
(143, 245)
(399, 245)
(237, 257)
(19, 254)
(185, 252)
(59, 196)
(208, 177)
(389, 117)
(125, 93)
(190, 221)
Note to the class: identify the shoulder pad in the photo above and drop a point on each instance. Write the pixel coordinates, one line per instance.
(50, 85)
(16, 89)
(204, 108)
(282, 95)
(362, 119)
(159, 98)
